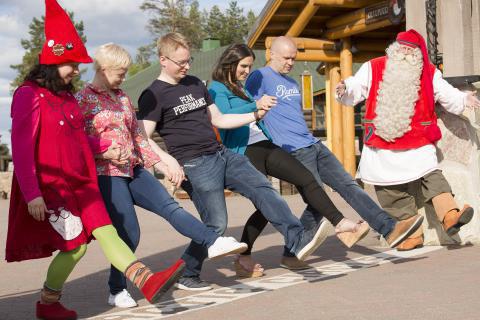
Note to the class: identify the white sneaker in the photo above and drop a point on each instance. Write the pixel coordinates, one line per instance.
(224, 246)
(122, 299)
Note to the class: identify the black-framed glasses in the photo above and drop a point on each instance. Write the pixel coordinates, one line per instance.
(181, 64)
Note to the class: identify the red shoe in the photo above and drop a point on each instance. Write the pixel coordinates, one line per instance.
(54, 311)
(160, 282)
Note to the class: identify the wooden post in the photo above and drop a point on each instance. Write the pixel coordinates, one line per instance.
(337, 121)
(328, 107)
(302, 19)
(333, 56)
(345, 19)
(344, 3)
(318, 55)
(353, 28)
(349, 160)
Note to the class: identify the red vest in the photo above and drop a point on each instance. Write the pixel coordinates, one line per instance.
(424, 121)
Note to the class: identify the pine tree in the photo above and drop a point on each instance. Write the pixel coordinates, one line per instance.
(167, 15)
(193, 28)
(229, 27)
(184, 16)
(235, 24)
(142, 58)
(214, 23)
(251, 19)
(33, 47)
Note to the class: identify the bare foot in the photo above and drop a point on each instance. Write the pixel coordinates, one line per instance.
(248, 264)
(347, 225)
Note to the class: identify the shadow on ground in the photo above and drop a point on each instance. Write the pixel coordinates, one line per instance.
(87, 295)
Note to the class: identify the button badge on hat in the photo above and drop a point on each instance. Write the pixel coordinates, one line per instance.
(58, 49)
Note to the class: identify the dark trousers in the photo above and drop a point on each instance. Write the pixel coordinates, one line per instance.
(208, 175)
(276, 162)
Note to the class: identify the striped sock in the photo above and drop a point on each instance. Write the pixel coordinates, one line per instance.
(138, 273)
(49, 296)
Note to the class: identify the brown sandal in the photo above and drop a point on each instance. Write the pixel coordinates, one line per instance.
(243, 272)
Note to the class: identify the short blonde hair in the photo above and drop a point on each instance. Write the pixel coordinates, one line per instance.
(171, 42)
(112, 56)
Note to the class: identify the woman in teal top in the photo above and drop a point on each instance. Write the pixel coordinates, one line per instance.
(228, 102)
(252, 140)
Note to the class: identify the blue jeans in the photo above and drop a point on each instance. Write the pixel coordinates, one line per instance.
(144, 190)
(209, 175)
(326, 168)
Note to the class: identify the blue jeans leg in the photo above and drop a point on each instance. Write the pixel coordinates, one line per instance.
(242, 177)
(310, 218)
(119, 204)
(150, 194)
(326, 167)
(205, 186)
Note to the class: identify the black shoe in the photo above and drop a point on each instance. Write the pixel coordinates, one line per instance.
(192, 284)
(311, 239)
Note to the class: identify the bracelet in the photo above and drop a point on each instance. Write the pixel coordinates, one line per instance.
(255, 114)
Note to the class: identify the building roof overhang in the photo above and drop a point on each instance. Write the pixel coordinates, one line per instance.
(371, 24)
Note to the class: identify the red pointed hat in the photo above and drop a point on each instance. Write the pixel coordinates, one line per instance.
(62, 42)
(414, 39)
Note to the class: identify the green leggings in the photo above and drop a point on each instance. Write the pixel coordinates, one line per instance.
(115, 250)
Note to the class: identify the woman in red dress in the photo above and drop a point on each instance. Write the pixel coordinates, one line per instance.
(55, 201)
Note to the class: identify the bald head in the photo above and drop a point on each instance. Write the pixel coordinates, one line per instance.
(283, 43)
(282, 54)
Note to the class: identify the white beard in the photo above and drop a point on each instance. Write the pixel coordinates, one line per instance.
(398, 93)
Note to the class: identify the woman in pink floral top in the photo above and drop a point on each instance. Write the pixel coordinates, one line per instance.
(122, 178)
(112, 118)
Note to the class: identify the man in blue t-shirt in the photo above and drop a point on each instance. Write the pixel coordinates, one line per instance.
(179, 108)
(287, 127)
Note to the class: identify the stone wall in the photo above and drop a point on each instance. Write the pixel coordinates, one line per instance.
(458, 24)
(459, 156)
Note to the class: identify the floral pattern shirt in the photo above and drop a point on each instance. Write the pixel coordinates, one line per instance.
(114, 119)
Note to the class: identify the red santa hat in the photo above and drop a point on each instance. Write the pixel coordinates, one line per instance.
(414, 39)
(62, 42)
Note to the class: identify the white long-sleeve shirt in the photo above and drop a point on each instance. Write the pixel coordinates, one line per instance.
(391, 167)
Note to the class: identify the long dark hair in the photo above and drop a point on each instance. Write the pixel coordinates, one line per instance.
(225, 71)
(47, 76)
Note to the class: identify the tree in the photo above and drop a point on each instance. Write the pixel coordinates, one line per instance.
(33, 47)
(214, 23)
(182, 16)
(229, 27)
(167, 15)
(193, 29)
(142, 58)
(235, 24)
(251, 19)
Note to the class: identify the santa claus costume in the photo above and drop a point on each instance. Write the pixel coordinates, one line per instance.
(399, 156)
(55, 201)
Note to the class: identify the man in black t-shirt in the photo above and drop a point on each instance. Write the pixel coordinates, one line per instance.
(180, 109)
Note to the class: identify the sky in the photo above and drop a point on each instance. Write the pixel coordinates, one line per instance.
(119, 21)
